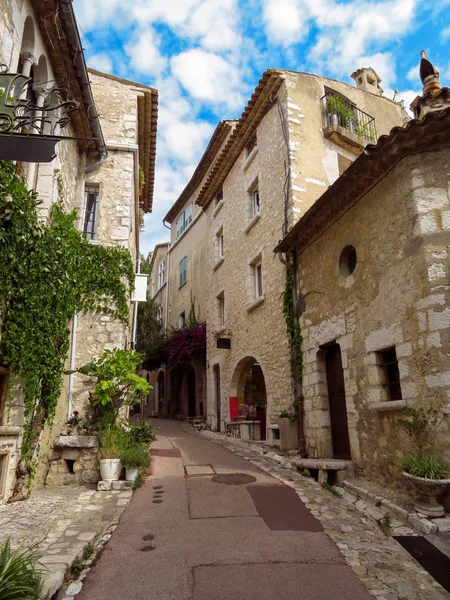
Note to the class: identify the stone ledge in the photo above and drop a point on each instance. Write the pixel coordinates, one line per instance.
(6, 430)
(325, 464)
(116, 486)
(76, 441)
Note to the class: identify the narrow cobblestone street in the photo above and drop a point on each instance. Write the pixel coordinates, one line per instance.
(185, 536)
(58, 523)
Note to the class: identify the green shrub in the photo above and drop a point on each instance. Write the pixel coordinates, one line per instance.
(88, 551)
(427, 467)
(112, 439)
(77, 566)
(330, 488)
(135, 455)
(142, 433)
(138, 481)
(20, 577)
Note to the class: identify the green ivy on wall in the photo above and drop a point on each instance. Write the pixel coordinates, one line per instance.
(292, 325)
(48, 271)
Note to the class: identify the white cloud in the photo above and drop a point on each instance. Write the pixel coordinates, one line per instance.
(92, 15)
(144, 54)
(209, 77)
(445, 34)
(284, 22)
(101, 62)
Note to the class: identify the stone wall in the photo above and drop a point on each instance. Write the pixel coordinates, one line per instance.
(256, 330)
(397, 296)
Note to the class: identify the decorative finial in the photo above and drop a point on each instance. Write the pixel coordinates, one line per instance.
(428, 74)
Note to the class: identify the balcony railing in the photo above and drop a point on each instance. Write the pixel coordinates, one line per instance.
(339, 112)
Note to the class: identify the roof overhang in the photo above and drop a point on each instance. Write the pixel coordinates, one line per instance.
(417, 136)
(262, 99)
(218, 138)
(59, 29)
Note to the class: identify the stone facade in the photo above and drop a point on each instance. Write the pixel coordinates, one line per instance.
(127, 112)
(397, 296)
(290, 166)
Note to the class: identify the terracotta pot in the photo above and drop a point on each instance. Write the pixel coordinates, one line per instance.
(288, 433)
(110, 469)
(428, 491)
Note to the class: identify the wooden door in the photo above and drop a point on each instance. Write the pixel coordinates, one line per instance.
(218, 402)
(337, 402)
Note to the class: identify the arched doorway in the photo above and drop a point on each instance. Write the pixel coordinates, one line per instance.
(248, 397)
(160, 393)
(192, 398)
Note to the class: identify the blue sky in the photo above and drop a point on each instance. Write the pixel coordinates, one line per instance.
(206, 56)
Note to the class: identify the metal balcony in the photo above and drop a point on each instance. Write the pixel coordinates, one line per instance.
(345, 124)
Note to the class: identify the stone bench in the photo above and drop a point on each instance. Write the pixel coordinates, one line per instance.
(333, 468)
(245, 430)
(74, 461)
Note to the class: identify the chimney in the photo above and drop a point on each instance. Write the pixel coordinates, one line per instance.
(434, 97)
(367, 79)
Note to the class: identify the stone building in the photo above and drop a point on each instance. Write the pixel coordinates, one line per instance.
(178, 284)
(373, 272)
(113, 145)
(298, 133)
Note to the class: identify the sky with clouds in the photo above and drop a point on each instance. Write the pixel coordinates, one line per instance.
(205, 57)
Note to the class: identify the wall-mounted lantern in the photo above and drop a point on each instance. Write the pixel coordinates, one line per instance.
(30, 123)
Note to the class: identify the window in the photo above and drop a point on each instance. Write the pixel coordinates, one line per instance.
(258, 280)
(256, 208)
(348, 261)
(184, 220)
(90, 212)
(254, 201)
(3, 471)
(219, 244)
(161, 273)
(182, 320)
(387, 359)
(220, 311)
(159, 314)
(183, 271)
(252, 143)
(219, 198)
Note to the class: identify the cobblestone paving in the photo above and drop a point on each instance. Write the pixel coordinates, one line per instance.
(380, 562)
(59, 522)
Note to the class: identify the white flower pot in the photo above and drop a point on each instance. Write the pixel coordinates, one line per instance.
(132, 473)
(110, 469)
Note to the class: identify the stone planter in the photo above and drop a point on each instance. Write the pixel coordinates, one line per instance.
(131, 473)
(428, 490)
(110, 469)
(288, 434)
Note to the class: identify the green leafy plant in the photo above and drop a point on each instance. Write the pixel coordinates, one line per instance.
(112, 440)
(88, 551)
(49, 271)
(20, 576)
(142, 433)
(118, 385)
(335, 105)
(139, 481)
(77, 566)
(329, 488)
(420, 424)
(292, 416)
(292, 325)
(427, 467)
(135, 455)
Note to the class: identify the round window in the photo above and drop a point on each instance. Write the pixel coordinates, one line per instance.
(348, 260)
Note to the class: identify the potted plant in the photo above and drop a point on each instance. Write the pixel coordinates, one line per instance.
(287, 423)
(428, 475)
(110, 442)
(339, 112)
(134, 457)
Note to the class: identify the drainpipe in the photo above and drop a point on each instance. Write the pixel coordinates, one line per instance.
(135, 316)
(72, 364)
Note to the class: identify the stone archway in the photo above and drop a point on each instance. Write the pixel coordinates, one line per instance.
(248, 395)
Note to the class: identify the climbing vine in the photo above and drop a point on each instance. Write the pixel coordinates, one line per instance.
(48, 271)
(292, 325)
